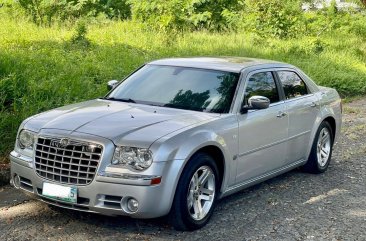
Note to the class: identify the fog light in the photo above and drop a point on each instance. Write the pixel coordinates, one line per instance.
(16, 181)
(132, 205)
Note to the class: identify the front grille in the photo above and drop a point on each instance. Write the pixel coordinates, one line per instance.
(67, 161)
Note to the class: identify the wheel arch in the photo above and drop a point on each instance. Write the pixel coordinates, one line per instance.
(332, 123)
(218, 156)
(213, 149)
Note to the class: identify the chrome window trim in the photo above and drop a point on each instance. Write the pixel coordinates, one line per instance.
(299, 98)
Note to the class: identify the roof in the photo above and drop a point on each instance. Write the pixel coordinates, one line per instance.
(230, 64)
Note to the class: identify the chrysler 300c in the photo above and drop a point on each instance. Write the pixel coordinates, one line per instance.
(175, 136)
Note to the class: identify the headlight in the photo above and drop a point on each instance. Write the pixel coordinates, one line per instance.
(26, 139)
(137, 158)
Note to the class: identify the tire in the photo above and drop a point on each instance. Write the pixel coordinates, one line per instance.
(184, 215)
(319, 160)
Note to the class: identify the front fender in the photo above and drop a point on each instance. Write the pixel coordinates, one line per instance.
(180, 146)
(185, 145)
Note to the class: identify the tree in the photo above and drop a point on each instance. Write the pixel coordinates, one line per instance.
(188, 99)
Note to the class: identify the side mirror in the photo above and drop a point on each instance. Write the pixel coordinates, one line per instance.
(256, 103)
(259, 102)
(111, 84)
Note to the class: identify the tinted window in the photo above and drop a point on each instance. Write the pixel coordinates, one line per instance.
(292, 84)
(179, 87)
(262, 84)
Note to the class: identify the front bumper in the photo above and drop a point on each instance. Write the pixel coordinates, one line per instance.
(106, 194)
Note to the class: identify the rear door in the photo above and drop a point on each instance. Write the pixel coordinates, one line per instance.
(302, 107)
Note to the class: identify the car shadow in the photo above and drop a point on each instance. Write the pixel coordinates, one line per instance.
(260, 196)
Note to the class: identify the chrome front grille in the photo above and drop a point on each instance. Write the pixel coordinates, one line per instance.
(67, 161)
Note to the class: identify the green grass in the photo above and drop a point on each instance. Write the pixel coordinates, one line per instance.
(41, 69)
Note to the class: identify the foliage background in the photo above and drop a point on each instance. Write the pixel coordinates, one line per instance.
(56, 52)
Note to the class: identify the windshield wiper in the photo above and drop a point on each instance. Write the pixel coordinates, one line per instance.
(128, 100)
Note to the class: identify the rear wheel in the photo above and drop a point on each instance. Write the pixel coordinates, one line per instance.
(321, 151)
(196, 193)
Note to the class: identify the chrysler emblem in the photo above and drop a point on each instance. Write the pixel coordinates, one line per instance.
(64, 142)
(60, 143)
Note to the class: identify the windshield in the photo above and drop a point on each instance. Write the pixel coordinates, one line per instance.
(179, 87)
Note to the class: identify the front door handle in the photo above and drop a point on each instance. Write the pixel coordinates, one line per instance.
(313, 104)
(281, 114)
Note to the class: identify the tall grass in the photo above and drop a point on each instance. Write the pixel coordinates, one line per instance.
(40, 68)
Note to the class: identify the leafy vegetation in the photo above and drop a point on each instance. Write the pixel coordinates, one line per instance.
(274, 18)
(187, 14)
(46, 12)
(57, 62)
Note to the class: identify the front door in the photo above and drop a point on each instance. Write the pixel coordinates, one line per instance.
(262, 133)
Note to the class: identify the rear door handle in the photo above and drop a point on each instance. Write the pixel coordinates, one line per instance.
(281, 114)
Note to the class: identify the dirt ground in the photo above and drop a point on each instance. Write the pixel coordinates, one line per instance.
(293, 206)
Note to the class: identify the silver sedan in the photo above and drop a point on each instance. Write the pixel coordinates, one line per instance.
(175, 136)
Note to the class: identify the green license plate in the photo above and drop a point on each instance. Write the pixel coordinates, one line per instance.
(59, 192)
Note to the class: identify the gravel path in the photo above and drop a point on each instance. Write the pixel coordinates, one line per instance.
(293, 206)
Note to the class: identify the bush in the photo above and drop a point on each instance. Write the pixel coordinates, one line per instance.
(79, 36)
(47, 11)
(358, 26)
(273, 18)
(119, 9)
(187, 14)
(328, 21)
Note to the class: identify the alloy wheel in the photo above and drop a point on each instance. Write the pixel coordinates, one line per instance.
(323, 147)
(201, 193)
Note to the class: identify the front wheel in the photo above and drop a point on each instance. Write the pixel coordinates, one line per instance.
(196, 193)
(321, 151)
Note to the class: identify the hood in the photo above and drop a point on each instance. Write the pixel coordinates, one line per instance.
(120, 122)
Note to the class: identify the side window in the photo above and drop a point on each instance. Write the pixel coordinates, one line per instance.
(262, 84)
(292, 84)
